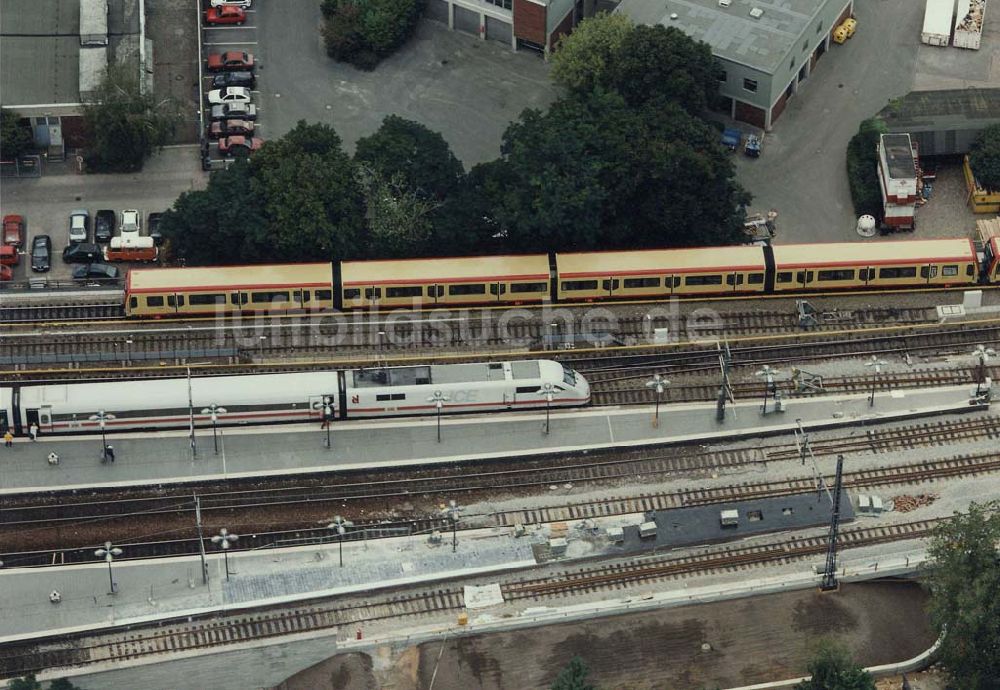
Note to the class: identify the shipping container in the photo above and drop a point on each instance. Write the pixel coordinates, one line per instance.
(938, 17)
(969, 24)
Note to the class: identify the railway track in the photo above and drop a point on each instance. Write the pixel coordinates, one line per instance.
(341, 616)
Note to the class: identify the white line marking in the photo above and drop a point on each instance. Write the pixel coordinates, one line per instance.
(611, 431)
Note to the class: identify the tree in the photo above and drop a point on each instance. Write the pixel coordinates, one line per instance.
(862, 168)
(398, 220)
(832, 668)
(363, 32)
(984, 157)
(124, 125)
(421, 157)
(26, 683)
(573, 677)
(583, 57)
(15, 136)
(964, 581)
(62, 684)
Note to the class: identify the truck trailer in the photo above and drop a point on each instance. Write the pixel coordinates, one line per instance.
(938, 18)
(969, 24)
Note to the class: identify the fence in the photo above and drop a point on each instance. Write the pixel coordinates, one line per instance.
(25, 166)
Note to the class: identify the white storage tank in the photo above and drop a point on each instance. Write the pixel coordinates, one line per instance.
(729, 518)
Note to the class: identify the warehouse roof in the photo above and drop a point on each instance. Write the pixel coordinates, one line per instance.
(733, 34)
(947, 109)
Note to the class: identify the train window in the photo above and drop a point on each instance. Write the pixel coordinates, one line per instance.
(306, 296)
(261, 297)
(840, 274)
(608, 285)
(527, 389)
(866, 273)
(570, 285)
(133, 302)
(703, 280)
(784, 277)
(803, 277)
(969, 270)
(352, 293)
(324, 294)
(949, 271)
(928, 271)
(734, 279)
(677, 281)
(154, 301)
(382, 397)
(207, 299)
(175, 300)
(414, 291)
(755, 278)
(904, 272)
(641, 282)
(528, 287)
(435, 291)
(373, 293)
(498, 289)
(467, 289)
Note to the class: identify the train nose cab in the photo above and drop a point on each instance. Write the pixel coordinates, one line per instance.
(577, 386)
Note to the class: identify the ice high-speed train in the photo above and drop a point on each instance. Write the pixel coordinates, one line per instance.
(293, 397)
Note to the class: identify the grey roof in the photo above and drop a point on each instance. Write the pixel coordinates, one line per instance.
(733, 34)
(946, 109)
(899, 156)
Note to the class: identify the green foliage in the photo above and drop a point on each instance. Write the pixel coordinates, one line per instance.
(573, 677)
(862, 168)
(832, 668)
(124, 126)
(593, 173)
(984, 157)
(398, 219)
(964, 582)
(62, 684)
(363, 32)
(296, 199)
(582, 58)
(26, 683)
(418, 155)
(15, 136)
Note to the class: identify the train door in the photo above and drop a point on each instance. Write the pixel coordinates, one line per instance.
(804, 278)
(435, 293)
(33, 417)
(45, 418)
(734, 281)
(928, 273)
(867, 275)
(373, 295)
(297, 300)
(498, 290)
(610, 285)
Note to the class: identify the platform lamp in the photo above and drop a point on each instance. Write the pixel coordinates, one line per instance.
(325, 408)
(659, 385)
(102, 418)
(224, 540)
(108, 553)
(549, 391)
(983, 354)
(439, 399)
(876, 364)
(340, 525)
(215, 411)
(768, 374)
(451, 511)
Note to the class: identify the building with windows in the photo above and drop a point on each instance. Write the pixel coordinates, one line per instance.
(765, 49)
(531, 24)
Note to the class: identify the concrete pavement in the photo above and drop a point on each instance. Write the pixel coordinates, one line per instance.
(166, 458)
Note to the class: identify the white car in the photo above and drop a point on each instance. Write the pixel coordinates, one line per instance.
(230, 94)
(130, 223)
(245, 4)
(79, 226)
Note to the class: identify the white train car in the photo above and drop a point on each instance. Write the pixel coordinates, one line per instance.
(293, 397)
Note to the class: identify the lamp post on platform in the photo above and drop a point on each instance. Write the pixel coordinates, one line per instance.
(215, 411)
(439, 399)
(659, 385)
(451, 511)
(340, 525)
(223, 540)
(325, 408)
(549, 391)
(983, 354)
(876, 364)
(768, 374)
(108, 553)
(102, 418)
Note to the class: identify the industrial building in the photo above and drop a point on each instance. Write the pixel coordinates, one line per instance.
(766, 50)
(531, 24)
(943, 123)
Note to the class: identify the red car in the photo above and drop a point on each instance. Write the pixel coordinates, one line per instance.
(13, 230)
(229, 146)
(6, 273)
(232, 61)
(225, 15)
(227, 128)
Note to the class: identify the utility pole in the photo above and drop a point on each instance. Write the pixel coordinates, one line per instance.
(830, 572)
(201, 540)
(194, 451)
(725, 363)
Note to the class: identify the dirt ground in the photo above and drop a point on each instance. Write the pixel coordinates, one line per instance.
(751, 641)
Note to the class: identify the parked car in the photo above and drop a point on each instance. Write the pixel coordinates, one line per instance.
(6, 273)
(9, 255)
(225, 79)
(153, 225)
(41, 253)
(225, 15)
(96, 271)
(244, 4)
(13, 230)
(238, 145)
(233, 60)
(226, 128)
(230, 94)
(81, 253)
(130, 223)
(104, 225)
(79, 225)
(239, 111)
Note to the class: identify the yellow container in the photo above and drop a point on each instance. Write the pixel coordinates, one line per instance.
(981, 200)
(839, 34)
(850, 24)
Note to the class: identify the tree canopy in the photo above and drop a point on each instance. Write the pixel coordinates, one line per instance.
(573, 677)
(363, 32)
(583, 58)
(15, 136)
(832, 668)
(964, 582)
(124, 125)
(984, 157)
(862, 168)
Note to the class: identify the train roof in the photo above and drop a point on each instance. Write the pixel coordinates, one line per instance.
(453, 270)
(872, 253)
(431, 374)
(230, 277)
(694, 260)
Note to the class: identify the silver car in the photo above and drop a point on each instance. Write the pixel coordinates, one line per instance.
(79, 226)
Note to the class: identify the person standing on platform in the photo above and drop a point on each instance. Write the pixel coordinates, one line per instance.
(8, 439)
(33, 431)
(109, 453)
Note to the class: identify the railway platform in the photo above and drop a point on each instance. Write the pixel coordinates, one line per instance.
(162, 458)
